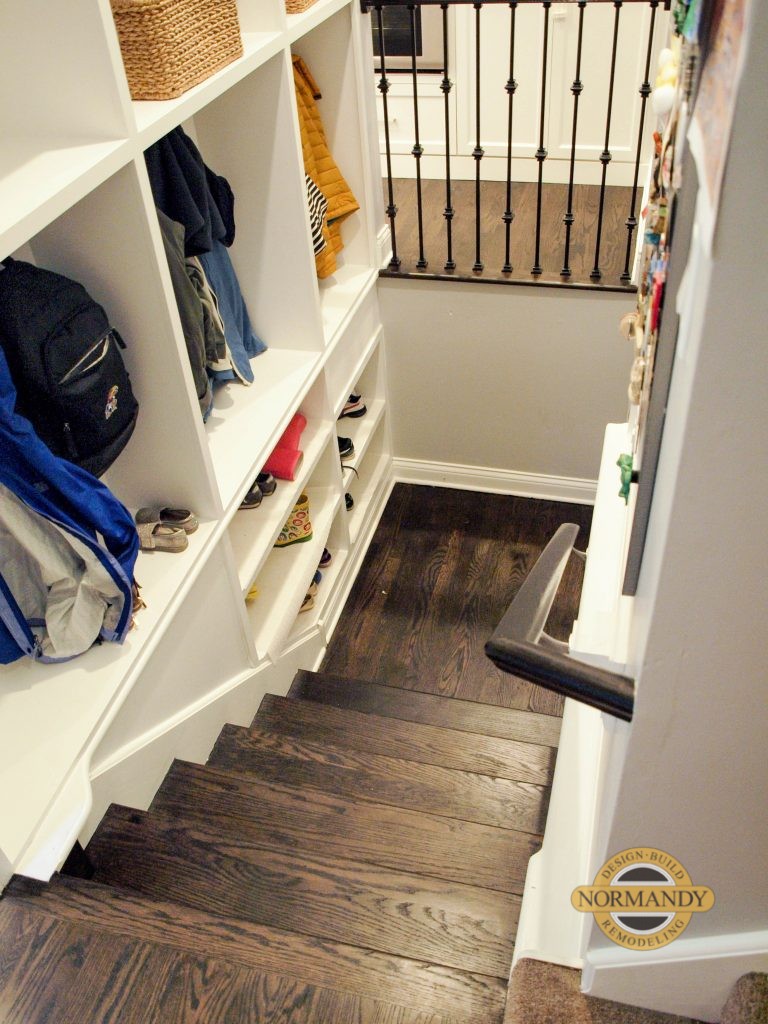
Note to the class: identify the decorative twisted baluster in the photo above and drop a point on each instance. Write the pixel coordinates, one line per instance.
(394, 263)
(446, 85)
(576, 89)
(605, 157)
(645, 92)
(541, 153)
(511, 87)
(478, 153)
(417, 150)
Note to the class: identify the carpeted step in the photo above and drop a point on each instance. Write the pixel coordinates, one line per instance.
(311, 821)
(544, 993)
(457, 926)
(521, 806)
(427, 708)
(748, 1000)
(427, 744)
(81, 951)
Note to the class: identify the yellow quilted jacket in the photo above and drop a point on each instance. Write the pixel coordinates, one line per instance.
(321, 167)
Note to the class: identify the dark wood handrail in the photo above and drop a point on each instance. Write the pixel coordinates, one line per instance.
(516, 644)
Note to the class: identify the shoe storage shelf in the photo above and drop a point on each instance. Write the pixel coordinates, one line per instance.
(75, 198)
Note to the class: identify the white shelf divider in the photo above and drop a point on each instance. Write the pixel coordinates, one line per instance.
(286, 575)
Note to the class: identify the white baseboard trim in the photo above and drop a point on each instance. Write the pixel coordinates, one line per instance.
(690, 977)
(495, 481)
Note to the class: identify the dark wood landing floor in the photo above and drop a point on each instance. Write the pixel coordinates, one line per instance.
(522, 238)
(358, 854)
(439, 574)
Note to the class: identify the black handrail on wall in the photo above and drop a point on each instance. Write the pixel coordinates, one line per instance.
(510, 86)
(520, 646)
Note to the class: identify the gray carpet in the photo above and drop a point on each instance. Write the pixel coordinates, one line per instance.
(543, 993)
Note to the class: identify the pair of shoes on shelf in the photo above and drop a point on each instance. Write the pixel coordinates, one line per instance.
(262, 487)
(354, 407)
(311, 594)
(346, 448)
(165, 528)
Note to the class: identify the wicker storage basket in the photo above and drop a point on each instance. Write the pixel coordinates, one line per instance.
(170, 45)
(297, 6)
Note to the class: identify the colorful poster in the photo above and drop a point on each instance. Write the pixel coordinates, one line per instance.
(710, 130)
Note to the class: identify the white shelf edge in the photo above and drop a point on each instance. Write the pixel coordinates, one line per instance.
(367, 498)
(262, 410)
(361, 433)
(286, 575)
(359, 369)
(307, 622)
(155, 118)
(342, 295)
(300, 24)
(253, 547)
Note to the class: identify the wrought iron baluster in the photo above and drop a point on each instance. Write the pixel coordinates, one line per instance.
(417, 150)
(478, 153)
(541, 153)
(577, 89)
(446, 85)
(511, 87)
(605, 157)
(394, 263)
(645, 92)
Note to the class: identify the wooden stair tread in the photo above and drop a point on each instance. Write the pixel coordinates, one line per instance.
(427, 708)
(80, 952)
(335, 826)
(468, 796)
(427, 744)
(447, 923)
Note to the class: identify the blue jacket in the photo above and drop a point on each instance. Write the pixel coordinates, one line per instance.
(69, 501)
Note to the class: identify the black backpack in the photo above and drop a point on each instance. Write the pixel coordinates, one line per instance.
(66, 365)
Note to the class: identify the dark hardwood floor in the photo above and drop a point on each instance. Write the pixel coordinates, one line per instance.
(522, 237)
(357, 855)
(439, 574)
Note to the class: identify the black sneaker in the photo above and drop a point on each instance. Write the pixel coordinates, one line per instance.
(346, 448)
(350, 501)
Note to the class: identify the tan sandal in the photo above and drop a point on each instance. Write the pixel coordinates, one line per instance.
(157, 537)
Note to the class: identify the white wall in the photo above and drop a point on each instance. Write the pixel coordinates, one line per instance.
(695, 780)
(516, 379)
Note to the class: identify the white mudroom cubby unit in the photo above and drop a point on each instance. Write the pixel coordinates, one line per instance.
(75, 198)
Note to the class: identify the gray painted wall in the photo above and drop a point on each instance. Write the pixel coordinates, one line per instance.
(522, 379)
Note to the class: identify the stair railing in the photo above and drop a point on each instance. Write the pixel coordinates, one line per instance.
(520, 646)
(508, 83)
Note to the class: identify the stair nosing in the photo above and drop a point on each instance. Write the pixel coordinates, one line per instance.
(545, 790)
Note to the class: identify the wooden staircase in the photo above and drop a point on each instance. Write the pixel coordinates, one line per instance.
(356, 856)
